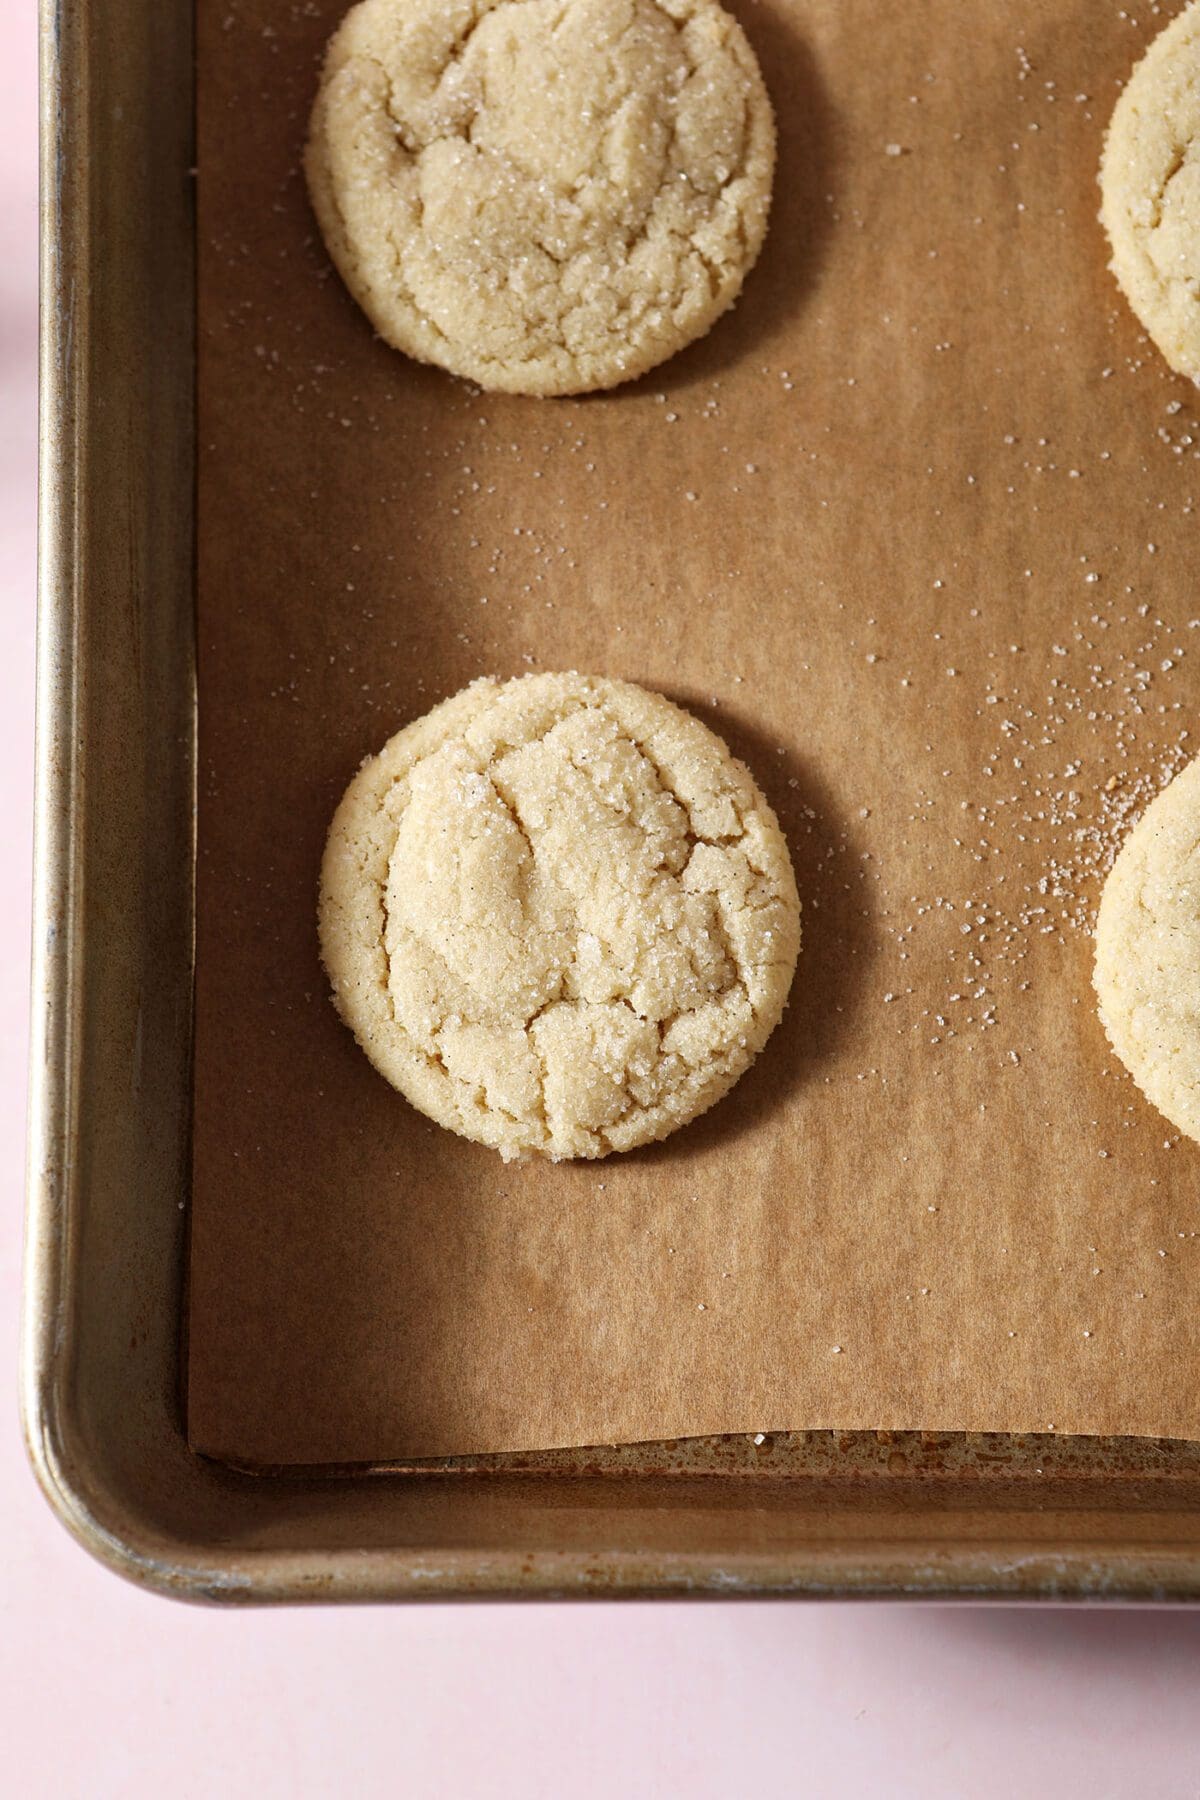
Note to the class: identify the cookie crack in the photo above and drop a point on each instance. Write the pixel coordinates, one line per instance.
(1178, 157)
(692, 839)
(431, 1050)
(694, 836)
(510, 807)
(385, 909)
(458, 50)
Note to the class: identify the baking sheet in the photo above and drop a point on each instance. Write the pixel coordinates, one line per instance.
(913, 529)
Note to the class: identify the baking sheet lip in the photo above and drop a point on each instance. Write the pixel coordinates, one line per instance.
(869, 1569)
(994, 1570)
(58, 952)
(45, 1335)
(126, 1551)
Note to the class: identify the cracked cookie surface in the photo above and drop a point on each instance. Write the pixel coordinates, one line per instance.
(1148, 952)
(558, 915)
(1150, 184)
(545, 196)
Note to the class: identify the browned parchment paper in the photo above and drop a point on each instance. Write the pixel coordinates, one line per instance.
(914, 529)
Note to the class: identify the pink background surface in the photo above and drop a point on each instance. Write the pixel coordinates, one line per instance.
(105, 1691)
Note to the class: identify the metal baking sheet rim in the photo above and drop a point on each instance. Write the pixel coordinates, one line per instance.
(116, 536)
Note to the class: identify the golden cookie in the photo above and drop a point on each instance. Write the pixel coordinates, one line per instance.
(546, 196)
(1150, 184)
(1148, 952)
(558, 915)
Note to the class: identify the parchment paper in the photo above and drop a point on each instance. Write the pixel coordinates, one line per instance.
(914, 529)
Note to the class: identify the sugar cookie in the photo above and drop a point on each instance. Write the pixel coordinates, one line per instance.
(558, 915)
(546, 196)
(1148, 952)
(1150, 185)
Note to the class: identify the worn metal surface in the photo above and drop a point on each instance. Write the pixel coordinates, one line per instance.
(808, 1513)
